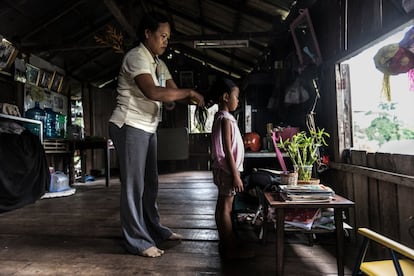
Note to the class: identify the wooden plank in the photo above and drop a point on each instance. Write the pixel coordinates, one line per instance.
(380, 174)
(374, 211)
(360, 189)
(388, 199)
(81, 234)
(405, 200)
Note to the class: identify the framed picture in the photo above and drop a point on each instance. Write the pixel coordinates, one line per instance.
(306, 44)
(32, 74)
(45, 79)
(56, 83)
(20, 70)
(7, 54)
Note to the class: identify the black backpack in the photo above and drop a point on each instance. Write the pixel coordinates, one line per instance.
(264, 179)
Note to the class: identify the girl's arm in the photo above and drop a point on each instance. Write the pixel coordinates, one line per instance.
(226, 132)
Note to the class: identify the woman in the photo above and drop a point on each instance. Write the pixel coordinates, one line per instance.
(144, 83)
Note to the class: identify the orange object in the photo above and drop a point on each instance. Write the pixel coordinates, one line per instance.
(252, 141)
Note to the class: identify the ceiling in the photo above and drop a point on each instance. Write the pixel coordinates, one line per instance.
(66, 33)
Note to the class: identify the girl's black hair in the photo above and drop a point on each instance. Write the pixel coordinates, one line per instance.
(150, 21)
(218, 88)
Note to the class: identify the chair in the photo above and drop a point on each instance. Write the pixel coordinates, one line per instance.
(401, 262)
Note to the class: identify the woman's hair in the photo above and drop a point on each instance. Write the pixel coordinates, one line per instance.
(150, 21)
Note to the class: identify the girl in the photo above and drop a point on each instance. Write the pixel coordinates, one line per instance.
(228, 157)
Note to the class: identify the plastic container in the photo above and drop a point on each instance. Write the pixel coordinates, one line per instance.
(35, 113)
(58, 182)
(61, 125)
(50, 125)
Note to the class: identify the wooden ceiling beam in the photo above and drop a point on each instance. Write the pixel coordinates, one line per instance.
(246, 10)
(208, 60)
(119, 16)
(52, 20)
(204, 24)
(226, 36)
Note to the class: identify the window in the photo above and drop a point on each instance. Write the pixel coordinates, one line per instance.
(194, 126)
(377, 124)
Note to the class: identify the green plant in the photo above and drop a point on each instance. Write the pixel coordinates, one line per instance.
(303, 149)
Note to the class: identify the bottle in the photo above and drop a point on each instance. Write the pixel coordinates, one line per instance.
(35, 113)
(61, 125)
(50, 125)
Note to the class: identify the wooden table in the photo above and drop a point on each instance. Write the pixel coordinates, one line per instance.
(338, 204)
(93, 143)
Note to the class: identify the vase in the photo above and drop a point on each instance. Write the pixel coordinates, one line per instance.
(304, 172)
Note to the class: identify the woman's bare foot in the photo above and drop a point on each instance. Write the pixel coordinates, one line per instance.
(175, 237)
(152, 252)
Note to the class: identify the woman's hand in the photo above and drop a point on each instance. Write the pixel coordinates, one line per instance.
(196, 98)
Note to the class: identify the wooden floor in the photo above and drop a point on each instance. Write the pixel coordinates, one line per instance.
(80, 234)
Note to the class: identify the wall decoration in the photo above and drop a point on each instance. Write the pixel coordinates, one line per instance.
(7, 54)
(45, 79)
(34, 94)
(112, 38)
(58, 102)
(57, 81)
(32, 74)
(20, 70)
(306, 44)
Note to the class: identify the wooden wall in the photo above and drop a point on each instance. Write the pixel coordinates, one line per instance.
(382, 185)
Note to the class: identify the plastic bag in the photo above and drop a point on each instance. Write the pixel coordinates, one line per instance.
(296, 94)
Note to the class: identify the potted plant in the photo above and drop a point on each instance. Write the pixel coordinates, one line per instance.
(303, 150)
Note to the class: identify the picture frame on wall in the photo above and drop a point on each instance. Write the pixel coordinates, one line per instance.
(45, 79)
(56, 83)
(32, 74)
(7, 54)
(20, 70)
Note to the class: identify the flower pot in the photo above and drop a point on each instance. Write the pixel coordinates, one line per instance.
(304, 172)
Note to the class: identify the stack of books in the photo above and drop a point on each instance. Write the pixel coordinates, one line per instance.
(307, 193)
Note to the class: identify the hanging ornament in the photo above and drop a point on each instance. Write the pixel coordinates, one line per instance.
(408, 40)
(408, 43)
(392, 60)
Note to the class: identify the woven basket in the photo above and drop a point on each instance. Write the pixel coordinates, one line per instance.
(290, 178)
